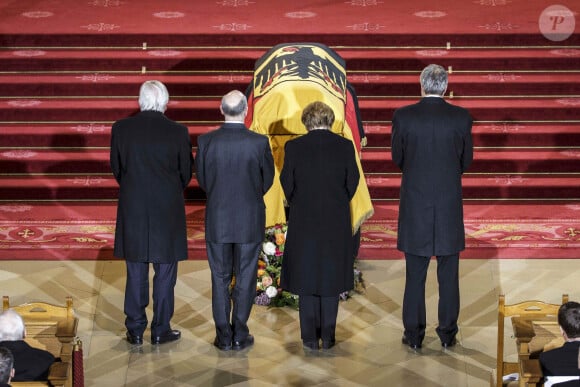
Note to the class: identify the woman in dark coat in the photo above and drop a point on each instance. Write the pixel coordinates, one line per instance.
(319, 178)
(152, 161)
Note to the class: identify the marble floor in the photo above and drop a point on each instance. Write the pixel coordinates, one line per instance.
(369, 350)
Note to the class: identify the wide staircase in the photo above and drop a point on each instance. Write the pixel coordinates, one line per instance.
(57, 104)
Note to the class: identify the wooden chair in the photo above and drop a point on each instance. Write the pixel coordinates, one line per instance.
(522, 315)
(52, 328)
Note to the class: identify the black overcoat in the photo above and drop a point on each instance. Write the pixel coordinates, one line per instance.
(432, 145)
(319, 177)
(152, 161)
(561, 361)
(235, 167)
(30, 363)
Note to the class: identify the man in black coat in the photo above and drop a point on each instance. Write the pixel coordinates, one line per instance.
(320, 176)
(152, 161)
(562, 364)
(432, 145)
(30, 364)
(235, 168)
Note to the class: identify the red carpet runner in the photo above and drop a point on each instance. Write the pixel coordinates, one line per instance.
(85, 231)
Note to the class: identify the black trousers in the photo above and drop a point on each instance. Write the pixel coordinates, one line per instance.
(137, 297)
(414, 316)
(225, 260)
(318, 317)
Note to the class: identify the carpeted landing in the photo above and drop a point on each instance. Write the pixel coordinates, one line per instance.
(84, 231)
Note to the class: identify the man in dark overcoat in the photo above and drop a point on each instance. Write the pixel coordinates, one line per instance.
(235, 168)
(319, 177)
(432, 145)
(151, 159)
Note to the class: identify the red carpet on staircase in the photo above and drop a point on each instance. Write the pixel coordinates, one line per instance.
(70, 69)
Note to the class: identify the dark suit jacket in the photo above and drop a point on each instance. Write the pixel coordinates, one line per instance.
(235, 168)
(152, 161)
(432, 145)
(29, 363)
(561, 361)
(319, 178)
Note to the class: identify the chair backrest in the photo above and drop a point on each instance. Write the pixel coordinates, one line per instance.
(528, 310)
(41, 310)
(48, 326)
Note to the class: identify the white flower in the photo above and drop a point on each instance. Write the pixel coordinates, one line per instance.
(271, 291)
(269, 248)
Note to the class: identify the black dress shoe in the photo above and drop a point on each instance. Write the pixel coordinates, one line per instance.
(239, 345)
(411, 345)
(449, 344)
(313, 345)
(134, 339)
(328, 344)
(167, 337)
(222, 346)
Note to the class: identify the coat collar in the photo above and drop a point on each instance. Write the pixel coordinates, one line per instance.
(319, 131)
(151, 113)
(234, 125)
(433, 100)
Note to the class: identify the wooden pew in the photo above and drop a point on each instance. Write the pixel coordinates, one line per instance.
(522, 315)
(52, 328)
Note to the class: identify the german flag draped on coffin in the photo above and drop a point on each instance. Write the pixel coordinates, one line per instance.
(286, 79)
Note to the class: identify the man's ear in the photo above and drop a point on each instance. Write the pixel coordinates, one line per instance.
(12, 373)
(564, 334)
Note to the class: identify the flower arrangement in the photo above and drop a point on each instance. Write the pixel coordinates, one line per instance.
(268, 288)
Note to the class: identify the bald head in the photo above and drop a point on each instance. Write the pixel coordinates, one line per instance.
(234, 106)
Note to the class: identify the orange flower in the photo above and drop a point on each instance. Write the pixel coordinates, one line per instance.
(261, 264)
(261, 272)
(280, 239)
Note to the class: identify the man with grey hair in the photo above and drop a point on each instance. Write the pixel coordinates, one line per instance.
(6, 367)
(152, 161)
(431, 143)
(235, 168)
(30, 364)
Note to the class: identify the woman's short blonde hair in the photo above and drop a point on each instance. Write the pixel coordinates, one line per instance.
(317, 115)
